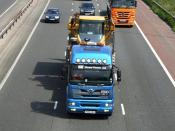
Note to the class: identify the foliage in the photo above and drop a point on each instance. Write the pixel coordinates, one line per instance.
(161, 12)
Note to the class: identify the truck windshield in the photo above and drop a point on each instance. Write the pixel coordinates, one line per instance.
(91, 75)
(123, 4)
(91, 27)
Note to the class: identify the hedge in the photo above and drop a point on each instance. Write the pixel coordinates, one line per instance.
(162, 13)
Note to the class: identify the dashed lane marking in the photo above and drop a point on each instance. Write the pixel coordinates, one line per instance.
(123, 109)
(115, 76)
(55, 105)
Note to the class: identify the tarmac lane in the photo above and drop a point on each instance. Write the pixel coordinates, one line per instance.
(33, 97)
(5, 4)
(159, 34)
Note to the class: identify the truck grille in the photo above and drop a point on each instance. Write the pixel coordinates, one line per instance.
(88, 94)
(122, 15)
(95, 93)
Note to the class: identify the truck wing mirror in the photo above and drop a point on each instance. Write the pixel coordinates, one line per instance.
(63, 73)
(118, 75)
(135, 3)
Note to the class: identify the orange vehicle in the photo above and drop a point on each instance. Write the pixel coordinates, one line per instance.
(122, 12)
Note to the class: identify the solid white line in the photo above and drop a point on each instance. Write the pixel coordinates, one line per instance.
(156, 55)
(115, 76)
(22, 50)
(123, 109)
(8, 9)
(65, 53)
(55, 105)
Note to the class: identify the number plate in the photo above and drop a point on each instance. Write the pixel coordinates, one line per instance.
(87, 13)
(123, 21)
(90, 112)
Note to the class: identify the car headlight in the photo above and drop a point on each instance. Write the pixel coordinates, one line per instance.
(81, 10)
(56, 17)
(47, 16)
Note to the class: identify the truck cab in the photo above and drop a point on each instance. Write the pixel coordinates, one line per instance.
(90, 80)
(122, 12)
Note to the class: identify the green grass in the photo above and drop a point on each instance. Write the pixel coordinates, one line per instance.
(169, 5)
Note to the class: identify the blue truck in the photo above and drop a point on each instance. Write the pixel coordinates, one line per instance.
(91, 77)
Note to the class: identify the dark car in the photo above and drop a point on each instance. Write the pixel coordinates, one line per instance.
(87, 9)
(52, 15)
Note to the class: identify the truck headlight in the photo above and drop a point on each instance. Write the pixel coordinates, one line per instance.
(108, 105)
(71, 103)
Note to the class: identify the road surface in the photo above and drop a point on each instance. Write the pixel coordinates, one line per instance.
(5, 4)
(145, 99)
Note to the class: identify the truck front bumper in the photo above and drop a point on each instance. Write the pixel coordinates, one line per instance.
(123, 22)
(90, 106)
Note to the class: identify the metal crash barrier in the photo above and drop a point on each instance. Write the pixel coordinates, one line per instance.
(14, 20)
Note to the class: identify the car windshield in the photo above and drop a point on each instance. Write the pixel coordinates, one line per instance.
(91, 27)
(123, 3)
(87, 5)
(50, 11)
(93, 75)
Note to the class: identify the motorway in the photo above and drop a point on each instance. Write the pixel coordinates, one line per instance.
(5, 4)
(145, 99)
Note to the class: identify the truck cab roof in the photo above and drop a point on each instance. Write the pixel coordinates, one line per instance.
(91, 55)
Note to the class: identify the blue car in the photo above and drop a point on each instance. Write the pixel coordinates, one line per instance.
(52, 15)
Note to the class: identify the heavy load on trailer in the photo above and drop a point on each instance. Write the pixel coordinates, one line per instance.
(90, 30)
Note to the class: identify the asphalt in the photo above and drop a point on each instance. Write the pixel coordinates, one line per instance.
(28, 96)
(5, 4)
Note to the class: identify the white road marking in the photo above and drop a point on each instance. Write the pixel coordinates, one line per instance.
(123, 109)
(99, 10)
(97, 4)
(72, 10)
(72, 3)
(115, 76)
(8, 9)
(55, 105)
(22, 50)
(65, 53)
(156, 55)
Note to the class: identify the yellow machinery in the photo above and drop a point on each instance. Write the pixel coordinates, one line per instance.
(90, 30)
